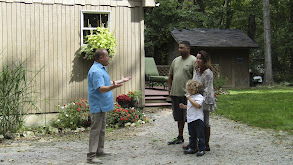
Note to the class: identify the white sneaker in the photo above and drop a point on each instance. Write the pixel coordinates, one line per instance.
(103, 154)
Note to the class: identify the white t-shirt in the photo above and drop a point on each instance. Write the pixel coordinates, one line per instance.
(192, 112)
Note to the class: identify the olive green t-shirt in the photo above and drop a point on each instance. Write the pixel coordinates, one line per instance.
(182, 71)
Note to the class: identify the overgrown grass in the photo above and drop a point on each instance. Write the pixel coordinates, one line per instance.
(16, 96)
(261, 107)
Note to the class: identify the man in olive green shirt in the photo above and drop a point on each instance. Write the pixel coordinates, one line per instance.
(181, 71)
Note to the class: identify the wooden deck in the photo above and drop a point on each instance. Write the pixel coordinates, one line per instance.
(156, 91)
(157, 97)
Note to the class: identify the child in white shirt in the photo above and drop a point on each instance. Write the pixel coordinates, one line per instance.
(195, 118)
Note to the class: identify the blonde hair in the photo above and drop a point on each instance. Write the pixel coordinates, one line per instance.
(194, 85)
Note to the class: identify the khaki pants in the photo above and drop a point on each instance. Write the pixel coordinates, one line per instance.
(97, 133)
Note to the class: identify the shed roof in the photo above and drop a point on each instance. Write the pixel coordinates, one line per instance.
(217, 38)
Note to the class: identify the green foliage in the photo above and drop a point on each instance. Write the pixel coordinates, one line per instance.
(160, 21)
(121, 117)
(219, 82)
(102, 38)
(134, 95)
(16, 96)
(72, 115)
(260, 107)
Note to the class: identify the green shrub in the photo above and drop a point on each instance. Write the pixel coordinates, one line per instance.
(16, 96)
(134, 95)
(72, 115)
(102, 39)
(220, 82)
(121, 117)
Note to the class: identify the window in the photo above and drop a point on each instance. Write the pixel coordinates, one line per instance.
(90, 20)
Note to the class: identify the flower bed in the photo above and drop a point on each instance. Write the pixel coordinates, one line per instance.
(72, 115)
(121, 117)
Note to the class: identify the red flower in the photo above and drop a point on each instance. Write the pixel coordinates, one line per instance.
(133, 119)
(78, 109)
(136, 116)
(123, 98)
(81, 115)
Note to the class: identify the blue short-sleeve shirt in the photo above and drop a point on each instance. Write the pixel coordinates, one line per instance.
(97, 77)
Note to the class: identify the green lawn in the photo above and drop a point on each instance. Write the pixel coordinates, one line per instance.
(260, 107)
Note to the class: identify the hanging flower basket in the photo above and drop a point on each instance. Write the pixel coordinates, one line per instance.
(102, 39)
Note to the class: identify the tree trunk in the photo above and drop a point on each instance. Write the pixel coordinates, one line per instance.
(251, 26)
(268, 78)
(222, 16)
(291, 30)
(200, 4)
(228, 14)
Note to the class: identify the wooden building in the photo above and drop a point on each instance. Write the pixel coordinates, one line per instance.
(227, 48)
(49, 33)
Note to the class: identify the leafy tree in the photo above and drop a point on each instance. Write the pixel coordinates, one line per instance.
(161, 20)
(245, 15)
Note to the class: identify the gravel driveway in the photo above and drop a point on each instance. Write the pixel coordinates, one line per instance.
(231, 143)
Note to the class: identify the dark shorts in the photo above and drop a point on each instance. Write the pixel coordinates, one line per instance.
(178, 113)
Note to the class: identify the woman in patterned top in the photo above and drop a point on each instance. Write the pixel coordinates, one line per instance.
(204, 75)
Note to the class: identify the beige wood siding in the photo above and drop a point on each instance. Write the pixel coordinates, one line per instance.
(47, 35)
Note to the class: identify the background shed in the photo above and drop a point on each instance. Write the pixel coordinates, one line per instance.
(47, 33)
(227, 48)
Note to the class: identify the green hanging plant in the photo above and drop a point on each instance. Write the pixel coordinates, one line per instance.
(102, 39)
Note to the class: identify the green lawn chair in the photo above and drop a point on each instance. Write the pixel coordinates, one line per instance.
(152, 74)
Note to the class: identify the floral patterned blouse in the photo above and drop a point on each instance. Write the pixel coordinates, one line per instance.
(206, 78)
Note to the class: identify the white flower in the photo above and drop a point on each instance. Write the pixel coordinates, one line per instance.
(71, 122)
(127, 124)
(66, 115)
(62, 107)
(58, 120)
